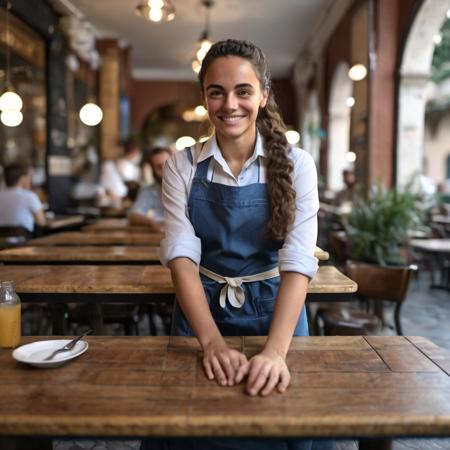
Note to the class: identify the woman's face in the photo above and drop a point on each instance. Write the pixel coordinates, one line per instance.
(233, 96)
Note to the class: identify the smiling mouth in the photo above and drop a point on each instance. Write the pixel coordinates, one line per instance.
(230, 119)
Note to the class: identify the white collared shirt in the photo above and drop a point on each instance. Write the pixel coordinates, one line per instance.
(297, 252)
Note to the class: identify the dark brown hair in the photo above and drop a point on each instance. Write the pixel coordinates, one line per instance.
(272, 128)
(14, 172)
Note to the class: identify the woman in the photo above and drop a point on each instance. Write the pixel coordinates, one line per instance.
(241, 229)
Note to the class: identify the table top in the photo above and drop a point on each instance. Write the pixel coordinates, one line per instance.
(64, 221)
(118, 254)
(432, 245)
(113, 224)
(142, 279)
(107, 238)
(341, 386)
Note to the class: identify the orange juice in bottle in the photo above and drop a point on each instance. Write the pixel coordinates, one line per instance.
(10, 316)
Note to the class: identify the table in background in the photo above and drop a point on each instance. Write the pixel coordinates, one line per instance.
(91, 254)
(62, 222)
(371, 388)
(104, 225)
(59, 285)
(439, 249)
(109, 238)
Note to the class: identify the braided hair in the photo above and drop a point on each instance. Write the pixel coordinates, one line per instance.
(272, 128)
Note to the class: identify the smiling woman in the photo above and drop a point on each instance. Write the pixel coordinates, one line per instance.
(241, 226)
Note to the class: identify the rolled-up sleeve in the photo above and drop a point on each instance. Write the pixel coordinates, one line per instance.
(297, 253)
(180, 239)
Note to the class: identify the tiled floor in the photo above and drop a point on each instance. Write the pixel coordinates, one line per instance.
(425, 313)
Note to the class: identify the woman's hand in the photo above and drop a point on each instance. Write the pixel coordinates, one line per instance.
(222, 362)
(266, 371)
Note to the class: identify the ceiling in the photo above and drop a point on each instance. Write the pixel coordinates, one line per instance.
(165, 50)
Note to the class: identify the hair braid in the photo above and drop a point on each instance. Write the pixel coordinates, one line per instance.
(271, 126)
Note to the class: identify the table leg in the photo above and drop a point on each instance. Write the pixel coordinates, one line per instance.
(58, 311)
(375, 444)
(96, 318)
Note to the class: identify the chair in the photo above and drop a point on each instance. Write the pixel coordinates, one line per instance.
(13, 235)
(338, 247)
(375, 284)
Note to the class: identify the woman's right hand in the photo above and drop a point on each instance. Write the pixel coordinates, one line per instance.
(221, 362)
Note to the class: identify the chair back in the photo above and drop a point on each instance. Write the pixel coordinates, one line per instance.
(380, 282)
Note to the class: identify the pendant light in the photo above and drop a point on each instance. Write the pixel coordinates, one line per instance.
(204, 42)
(91, 114)
(156, 10)
(10, 101)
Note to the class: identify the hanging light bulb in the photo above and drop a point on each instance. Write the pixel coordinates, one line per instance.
(10, 101)
(91, 114)
(203, 43)
(357, 72)
(156, 10)
(11, 118)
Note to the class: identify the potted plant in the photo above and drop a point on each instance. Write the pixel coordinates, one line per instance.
(378, 225)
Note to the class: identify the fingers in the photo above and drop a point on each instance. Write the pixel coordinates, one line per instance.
(243, 369)
(219, 374)
(272, 381)
(257, 378)
(285, 379)
(208, 369)
(224, 365)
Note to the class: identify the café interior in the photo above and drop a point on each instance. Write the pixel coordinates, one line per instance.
(95, 98)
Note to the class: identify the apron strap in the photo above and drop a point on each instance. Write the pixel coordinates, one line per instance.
(233, 285)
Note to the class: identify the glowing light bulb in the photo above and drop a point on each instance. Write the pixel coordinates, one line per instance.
(11, 118)
(200, 111)
(155, 14)
(201, 53)
(350, 156)
(91, 114)
(158, 4)
(293, 137)
(357, 72)
(196, 66)
(350, 101)
(10, 101)
(183, 142)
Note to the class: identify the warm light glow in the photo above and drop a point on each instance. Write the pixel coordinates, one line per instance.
(350, 156)
(448, 14)
(91, 114)
(196, 66)
(206, 44)
(350, 101)
(201, 53)
(183, 142)
(293, 137)
(203, 139)
(437, 39)
(170, 17)
(10, 101)
(200, 111)
(11, 118)
(158, 4)
(155, 14)
(357, 72)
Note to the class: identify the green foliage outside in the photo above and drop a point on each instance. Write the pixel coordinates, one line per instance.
(378, 225)
(440, 67)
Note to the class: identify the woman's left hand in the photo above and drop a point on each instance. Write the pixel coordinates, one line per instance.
(266, 371)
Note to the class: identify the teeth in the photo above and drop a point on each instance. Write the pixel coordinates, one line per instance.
(230, 118)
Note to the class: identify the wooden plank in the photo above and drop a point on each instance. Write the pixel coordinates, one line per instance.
(142, 279)
(110, 238)
(400, 356)
(155, 386)
(83, 253)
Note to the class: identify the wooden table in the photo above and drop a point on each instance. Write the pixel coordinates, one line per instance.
(58, 285)
(439, 249)
(341, 387)
(70, 254)
(102, 225)
(107, 238)
(60, 222)
(83, 254)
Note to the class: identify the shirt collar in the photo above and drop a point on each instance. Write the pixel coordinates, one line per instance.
(211, 148)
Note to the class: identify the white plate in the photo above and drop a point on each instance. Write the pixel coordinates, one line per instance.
(35, 353)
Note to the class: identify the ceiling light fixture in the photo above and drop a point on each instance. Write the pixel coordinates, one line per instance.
(90, 113)
(357, 72)
(10, 101)
(156, 10)
(203, 43)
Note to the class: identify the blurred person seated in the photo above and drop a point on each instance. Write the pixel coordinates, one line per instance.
(114, 189)
(87, 191)
(147, 209)
(129, 167)
(19, 205)
(346, 196)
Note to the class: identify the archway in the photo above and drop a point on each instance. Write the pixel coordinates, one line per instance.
(338, 126)
(415, 71)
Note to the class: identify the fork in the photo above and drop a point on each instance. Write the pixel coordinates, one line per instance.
(69, 346)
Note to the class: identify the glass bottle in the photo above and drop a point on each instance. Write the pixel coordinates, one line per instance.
(10, 316)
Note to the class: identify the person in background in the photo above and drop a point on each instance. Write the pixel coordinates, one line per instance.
(147, 209)
(19, 205)
(128, 167)
(115, 190)
(346, 195)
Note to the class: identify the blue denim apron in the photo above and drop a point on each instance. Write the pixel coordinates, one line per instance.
(231, 223)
